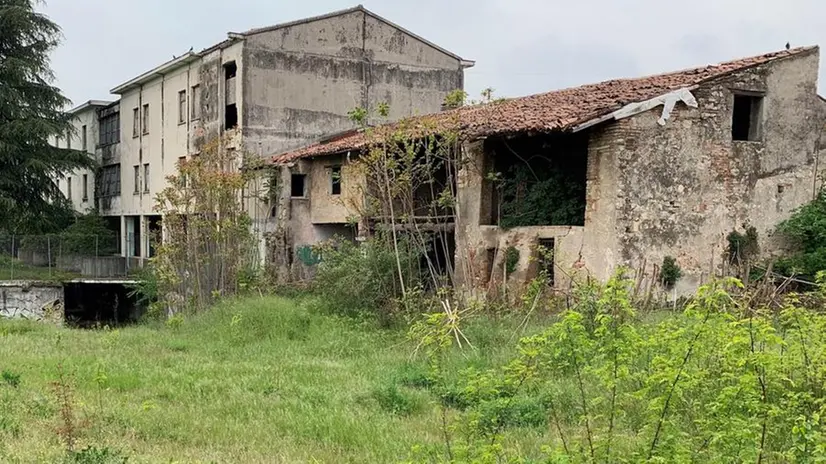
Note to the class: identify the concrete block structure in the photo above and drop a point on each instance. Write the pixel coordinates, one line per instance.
(271, 89)
(634, 170)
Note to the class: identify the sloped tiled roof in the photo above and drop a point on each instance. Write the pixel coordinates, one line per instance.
(553, 111)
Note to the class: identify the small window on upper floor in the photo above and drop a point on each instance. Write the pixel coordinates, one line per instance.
(297, 187)
(195, 103)
(335, 180)
(230, 69)
(746, 118)
(136, 116)
(182, 107)
(145, 123)
(83, 138)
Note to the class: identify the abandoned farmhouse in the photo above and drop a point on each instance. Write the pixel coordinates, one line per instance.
(619, 173)
(576, 181)
(267, 90)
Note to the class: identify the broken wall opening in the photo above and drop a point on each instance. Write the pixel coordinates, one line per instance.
(90, 304)
(535, 180)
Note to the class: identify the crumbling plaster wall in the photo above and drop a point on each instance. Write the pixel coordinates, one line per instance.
(680, 189)
(301, 81)
(326, 208)
(674, 190)
(31, 300)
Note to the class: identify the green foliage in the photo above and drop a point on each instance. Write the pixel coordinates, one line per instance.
(742, 247)
(394, 400)
(455, 99)
(670, 272)
(527, 192)
(95, 455)
(31, 114)
(10, 378)
(89, 235)
(361, 278)
(806, 230)
(511, 259)
(358, 116)
(722, 382)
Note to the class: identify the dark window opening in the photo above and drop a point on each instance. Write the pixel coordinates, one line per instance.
(535, 181)
(297, 187)
(545, 259)
(155, 233)
(230, 69)
(107, 182)
(335, 180)
(231, 116)
(746, 115)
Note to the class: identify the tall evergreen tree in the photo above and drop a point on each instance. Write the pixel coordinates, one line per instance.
(31, 113)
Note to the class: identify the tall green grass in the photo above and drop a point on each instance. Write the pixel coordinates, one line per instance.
(252, 380)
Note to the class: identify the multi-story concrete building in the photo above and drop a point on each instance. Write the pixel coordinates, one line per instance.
(277, 88)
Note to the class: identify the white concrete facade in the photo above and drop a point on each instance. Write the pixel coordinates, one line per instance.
(283, 86)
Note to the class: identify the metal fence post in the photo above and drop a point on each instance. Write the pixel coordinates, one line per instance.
(49, 253)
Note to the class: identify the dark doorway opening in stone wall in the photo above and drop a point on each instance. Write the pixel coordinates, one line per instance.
(535, 180)
(92, 304)
(439, 261)
(545, 259)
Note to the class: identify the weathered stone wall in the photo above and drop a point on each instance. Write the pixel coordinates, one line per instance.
(680, 189)
(31, 300)
(675, 190)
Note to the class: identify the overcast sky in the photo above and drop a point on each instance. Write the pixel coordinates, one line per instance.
(520, 46)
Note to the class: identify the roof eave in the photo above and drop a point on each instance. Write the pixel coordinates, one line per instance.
(165, 68)
(89, 104)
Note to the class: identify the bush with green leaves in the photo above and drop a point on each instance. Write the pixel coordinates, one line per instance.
(806, 230)
(670, 272)
(362, 278)
(722, 382)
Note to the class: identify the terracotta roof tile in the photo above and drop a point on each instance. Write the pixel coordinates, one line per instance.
(551, 111)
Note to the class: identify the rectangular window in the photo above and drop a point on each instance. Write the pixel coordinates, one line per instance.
(83, 138)
(85, 187)
(145, 121)
(230, 70)
(195, 102)
(136, 116)
(109, 129)
(137, 180)
(68, 139)
(146, 178)
(231, 117)
(109, 181)
(69, 188)
(297, 186)
(746, 117)
(335, 180)
(182, 107)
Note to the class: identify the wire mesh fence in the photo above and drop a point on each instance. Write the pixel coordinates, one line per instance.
(62, 256)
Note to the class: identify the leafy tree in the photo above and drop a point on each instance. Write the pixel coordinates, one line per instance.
(31, 111)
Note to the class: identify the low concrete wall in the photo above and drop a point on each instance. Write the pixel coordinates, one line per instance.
(109, 266)
(31, 300)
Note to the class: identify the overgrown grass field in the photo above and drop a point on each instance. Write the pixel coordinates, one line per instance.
(252, 380)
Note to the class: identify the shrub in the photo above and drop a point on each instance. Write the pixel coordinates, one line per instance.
(94, 455)
(363, 278)
(670, 272)
(11, 379)
(806, 230)
(742, 247)
(393, 400)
